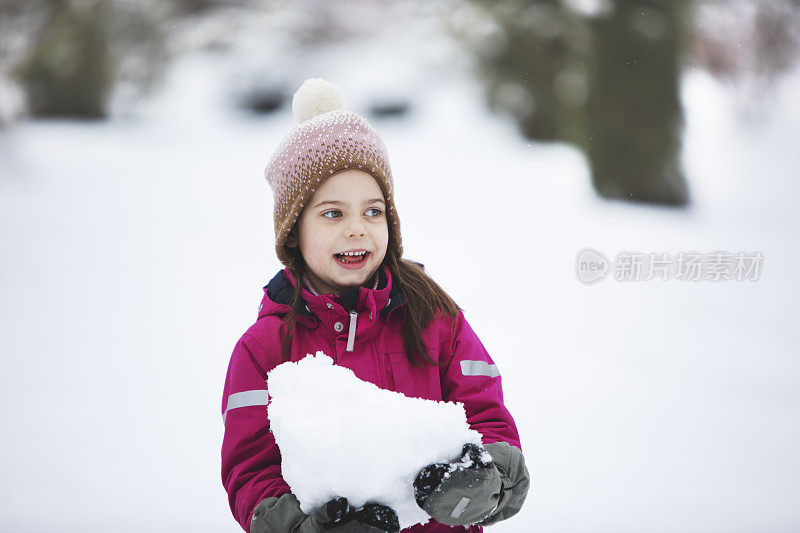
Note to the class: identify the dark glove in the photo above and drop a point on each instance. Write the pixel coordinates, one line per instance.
(341, 517)
(462, 492)
(282, 515)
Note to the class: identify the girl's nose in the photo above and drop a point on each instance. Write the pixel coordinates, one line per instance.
(356, 228)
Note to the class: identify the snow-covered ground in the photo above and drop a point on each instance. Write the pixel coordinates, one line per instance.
(135, 251)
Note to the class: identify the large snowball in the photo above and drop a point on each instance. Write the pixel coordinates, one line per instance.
(340, 436)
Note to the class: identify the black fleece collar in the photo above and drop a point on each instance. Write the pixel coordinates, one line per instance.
(281, 291)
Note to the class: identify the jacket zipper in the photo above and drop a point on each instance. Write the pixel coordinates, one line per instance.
(351, 336)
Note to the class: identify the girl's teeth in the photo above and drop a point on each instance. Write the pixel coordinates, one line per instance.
(351, 257)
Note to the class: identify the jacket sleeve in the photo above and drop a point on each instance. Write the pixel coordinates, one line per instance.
(471, 377)
(251, 462)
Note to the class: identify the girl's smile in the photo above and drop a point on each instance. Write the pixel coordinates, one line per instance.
(343, 232)
(352, 259)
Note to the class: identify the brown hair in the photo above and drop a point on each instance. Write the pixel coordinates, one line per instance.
(424, 300)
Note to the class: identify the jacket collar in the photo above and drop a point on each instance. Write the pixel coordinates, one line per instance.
(278, 294)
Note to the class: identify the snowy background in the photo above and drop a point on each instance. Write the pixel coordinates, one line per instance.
(135, 250)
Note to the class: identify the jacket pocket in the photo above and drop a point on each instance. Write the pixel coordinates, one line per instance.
(416, 382)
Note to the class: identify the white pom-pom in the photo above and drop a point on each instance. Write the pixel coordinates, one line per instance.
(314, 97)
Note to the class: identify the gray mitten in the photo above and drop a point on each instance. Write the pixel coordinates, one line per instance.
(461, 492)
(281, 515)
(340, 517)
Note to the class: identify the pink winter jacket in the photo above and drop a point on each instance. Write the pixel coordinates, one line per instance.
(251, 461)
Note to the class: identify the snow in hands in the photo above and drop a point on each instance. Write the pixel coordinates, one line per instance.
(340, 436)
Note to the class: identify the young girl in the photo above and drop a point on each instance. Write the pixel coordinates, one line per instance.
(347, 291)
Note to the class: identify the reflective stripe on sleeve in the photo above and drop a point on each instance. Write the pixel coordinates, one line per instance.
(247, 398)
(479, 368)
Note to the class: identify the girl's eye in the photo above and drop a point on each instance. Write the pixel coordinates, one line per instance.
(332, 212)
(376, 210)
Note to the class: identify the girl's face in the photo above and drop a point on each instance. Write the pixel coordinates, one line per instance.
(346, 214)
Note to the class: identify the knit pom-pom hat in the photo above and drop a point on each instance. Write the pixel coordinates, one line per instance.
(326, 140)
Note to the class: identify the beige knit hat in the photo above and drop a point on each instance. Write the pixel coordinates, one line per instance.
(326, 140)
